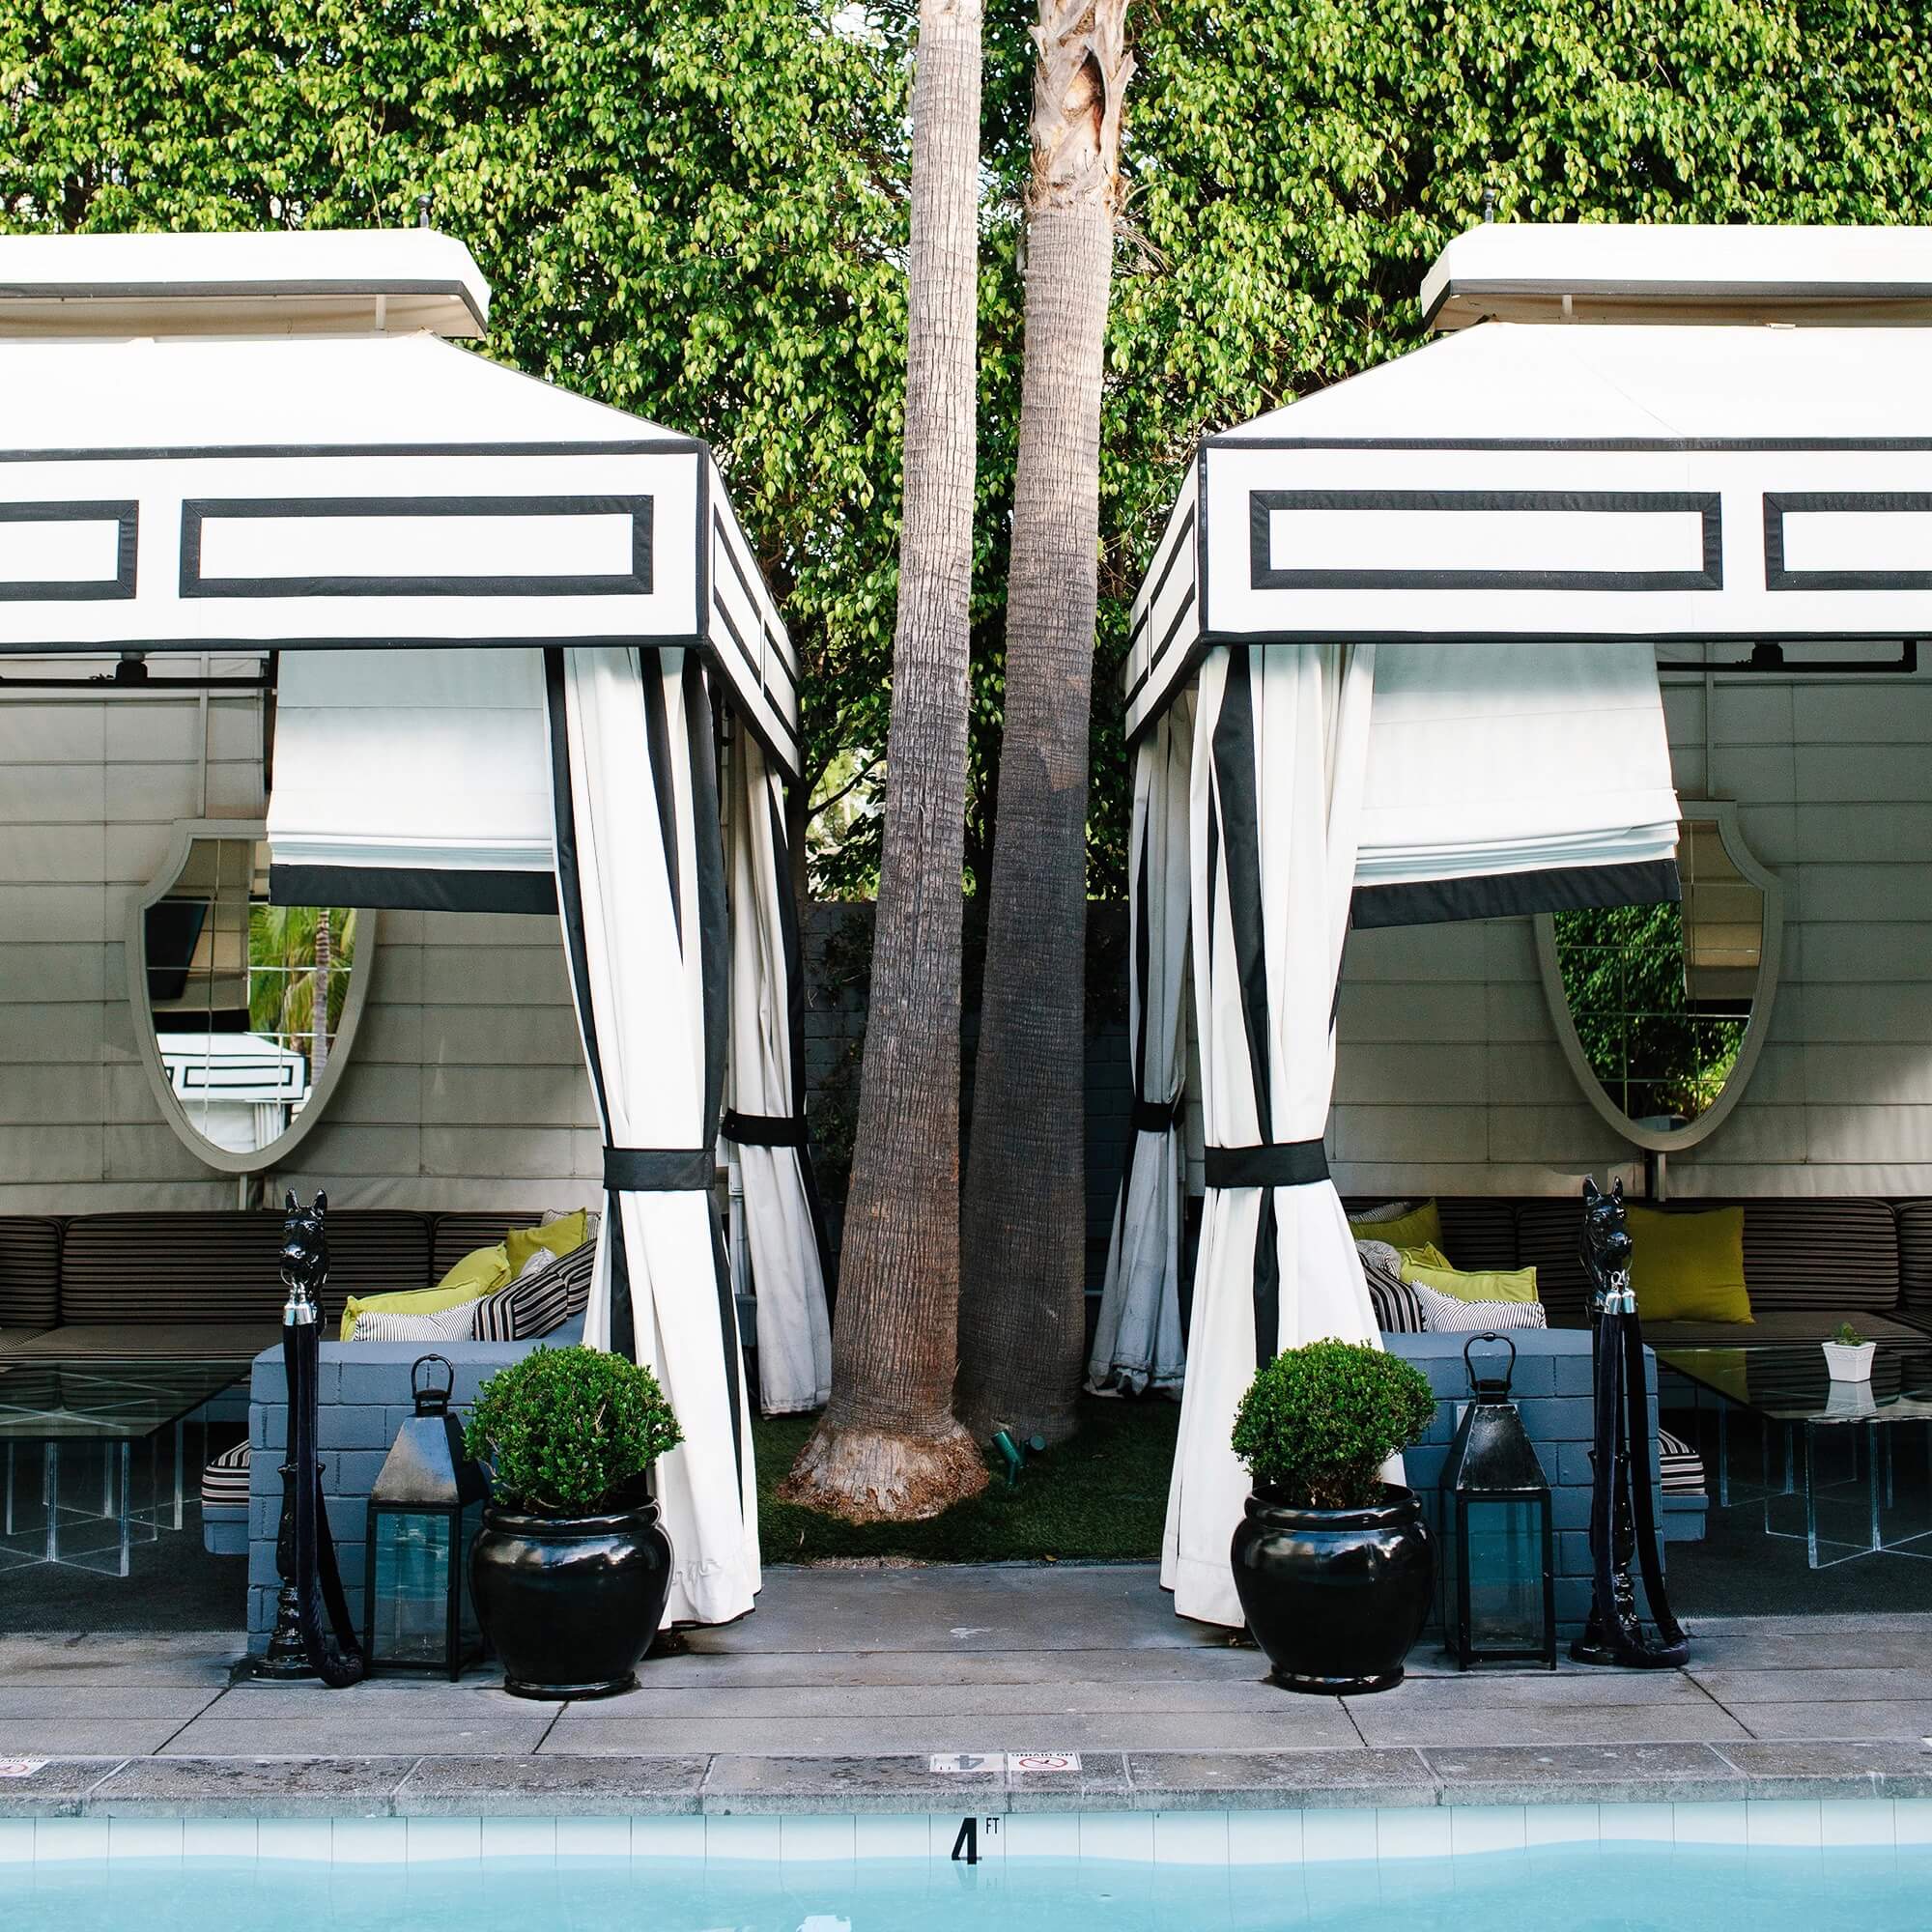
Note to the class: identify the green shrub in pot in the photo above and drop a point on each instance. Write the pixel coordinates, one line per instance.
(1334, 1566)
(570, 1431)
(571, 1569)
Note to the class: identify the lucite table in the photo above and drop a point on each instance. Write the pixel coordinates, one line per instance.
(94, 1455)
(1802, 1412)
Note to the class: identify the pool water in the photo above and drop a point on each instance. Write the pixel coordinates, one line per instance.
(1580, 1889)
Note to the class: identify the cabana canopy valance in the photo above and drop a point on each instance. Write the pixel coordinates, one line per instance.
(1549, 483)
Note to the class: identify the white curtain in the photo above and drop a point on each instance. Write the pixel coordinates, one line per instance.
(1138, 1343)
(766, 1094)
(1280, 746)
(640, 884)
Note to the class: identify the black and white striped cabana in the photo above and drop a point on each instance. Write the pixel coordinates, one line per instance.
(1394, 660)
(512, 629)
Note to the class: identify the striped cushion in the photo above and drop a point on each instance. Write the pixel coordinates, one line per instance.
(1914, 1256)
(539, 1300)
(399, 1324)
(224, 1483)
(1813, 1253)
(29, 1271)
(1444, 1314)
(1396, 1309)
(181, 1269)
(1683, 1468)
(1546, 1237)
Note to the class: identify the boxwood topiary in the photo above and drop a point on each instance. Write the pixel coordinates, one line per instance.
(1318, 1423)
(570, 1432)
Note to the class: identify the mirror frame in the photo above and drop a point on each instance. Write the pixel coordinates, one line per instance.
(1723, 814)
(225, 1160)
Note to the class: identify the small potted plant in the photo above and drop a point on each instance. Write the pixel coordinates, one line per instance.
(1334, 1567)
(571, 1568)
(1849, 1356)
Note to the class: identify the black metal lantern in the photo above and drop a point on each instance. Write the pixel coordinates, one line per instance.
(423, 1515)
(1498, 1501)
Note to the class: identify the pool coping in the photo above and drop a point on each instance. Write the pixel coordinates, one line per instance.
(730, 1784)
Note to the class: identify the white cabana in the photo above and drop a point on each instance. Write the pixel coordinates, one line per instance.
(1410, 626)
(508, 631)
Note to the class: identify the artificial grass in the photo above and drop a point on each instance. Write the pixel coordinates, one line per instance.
(1100, 1495)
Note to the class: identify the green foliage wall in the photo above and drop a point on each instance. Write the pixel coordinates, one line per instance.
(697, 211)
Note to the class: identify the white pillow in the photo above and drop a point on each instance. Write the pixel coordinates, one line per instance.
(445, 1325)
(1444, 1315)
(539, 1260)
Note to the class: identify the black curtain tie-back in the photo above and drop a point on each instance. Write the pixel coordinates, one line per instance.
(768, 1130)
(659, 1170)
(1154, 1117)
(1272, 1164)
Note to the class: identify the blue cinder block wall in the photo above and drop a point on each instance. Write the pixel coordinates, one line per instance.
(1551, 1390)
(363, 1398)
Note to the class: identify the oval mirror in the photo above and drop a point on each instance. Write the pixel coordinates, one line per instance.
(245, 1011)
(1662, 1008)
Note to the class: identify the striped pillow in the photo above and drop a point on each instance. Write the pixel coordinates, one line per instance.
(1397, 1310)
(1444, 1314)
(549, 1292)
(1681, 1468)
(441, 1324)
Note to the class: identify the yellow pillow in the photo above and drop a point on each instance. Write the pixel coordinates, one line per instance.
(1422, 1257)
(561, 1237)
(1517, 1285)
(1420, 1228)
(1688, 1267)
(482, 1271)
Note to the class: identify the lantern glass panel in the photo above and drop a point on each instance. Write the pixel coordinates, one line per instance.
(412, 1598)
(1505, 1562)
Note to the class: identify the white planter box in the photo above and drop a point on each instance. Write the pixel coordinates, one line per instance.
(1850, 1362)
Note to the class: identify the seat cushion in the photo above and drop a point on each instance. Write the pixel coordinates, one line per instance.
(1821, 1253)
(224, 1482)
(29, 1271)
(147, 1342)
(457, 1235)
(1914, 1258)
(200, 1268)
(1682, 1467)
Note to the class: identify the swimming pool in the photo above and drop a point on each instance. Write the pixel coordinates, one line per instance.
(1682, 1867)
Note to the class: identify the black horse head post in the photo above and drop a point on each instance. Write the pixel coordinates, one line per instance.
(1623, 1512)
(305, 1550)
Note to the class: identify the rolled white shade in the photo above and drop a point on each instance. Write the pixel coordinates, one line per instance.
(412, 777)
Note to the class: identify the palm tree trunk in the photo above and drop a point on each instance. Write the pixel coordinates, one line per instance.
(1022, 1330)
(888, 1446)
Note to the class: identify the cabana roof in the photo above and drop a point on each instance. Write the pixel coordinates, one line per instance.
(281, 485)
(1524, 481)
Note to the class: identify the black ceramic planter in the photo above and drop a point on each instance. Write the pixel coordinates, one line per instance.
(570, 1603)
(1336, 1598)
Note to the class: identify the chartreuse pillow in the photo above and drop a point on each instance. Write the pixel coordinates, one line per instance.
(481, 1272)
(561, 1237)
(1688, 1267)
(1517, 1285)
(1420, 1228)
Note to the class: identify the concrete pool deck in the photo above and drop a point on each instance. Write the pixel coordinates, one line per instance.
(836, 1692)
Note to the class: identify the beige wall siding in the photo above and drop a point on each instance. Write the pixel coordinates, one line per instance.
(1450, 1075)
(465, 1087)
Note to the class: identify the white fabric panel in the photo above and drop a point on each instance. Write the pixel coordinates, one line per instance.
(412, 760)
(794, 1327)
(1138, 1342)
(435, 760)
(1280, 749)
(647, 1011)
(1512, 757)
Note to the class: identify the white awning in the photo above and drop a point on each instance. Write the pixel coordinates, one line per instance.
(301, 491)
(412, 779)
(1548, 483)
(1512, 779)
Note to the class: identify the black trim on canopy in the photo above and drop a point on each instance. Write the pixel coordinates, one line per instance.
(1509, 895)
(411, 889)
(1271, 1164)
